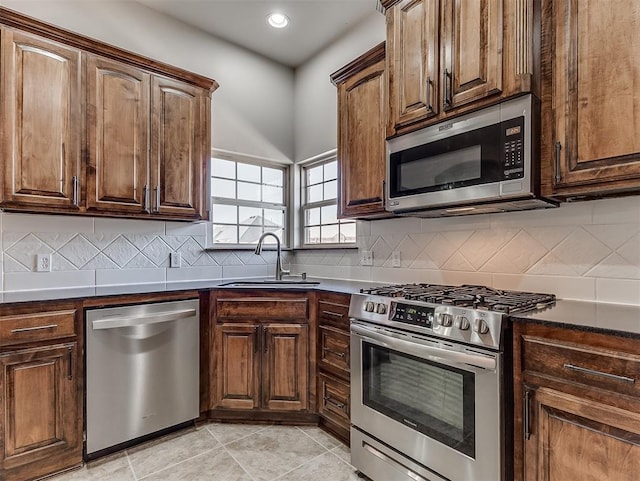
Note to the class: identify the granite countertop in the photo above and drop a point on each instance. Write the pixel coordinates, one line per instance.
(602, 317)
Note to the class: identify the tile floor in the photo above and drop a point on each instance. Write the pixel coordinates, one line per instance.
(227, 452)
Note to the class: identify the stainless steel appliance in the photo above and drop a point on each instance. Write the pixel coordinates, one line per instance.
(142, 372)
(429, 398)
(482, 162)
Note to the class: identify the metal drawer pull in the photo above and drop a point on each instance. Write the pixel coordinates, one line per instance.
(335, 403)
(37, 328)
(600, 373)
(335, 353)
(527, 413)
(333, 314)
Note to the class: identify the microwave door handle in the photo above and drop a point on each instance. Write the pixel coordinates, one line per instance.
(414, 347)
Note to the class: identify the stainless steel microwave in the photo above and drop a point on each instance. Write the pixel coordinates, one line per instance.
(486, 161)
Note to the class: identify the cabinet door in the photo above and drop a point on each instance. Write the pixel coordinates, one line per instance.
(575, 438)
(471, 51)
(412, 62)
(41, 411)
(178, 160)
(41, 121)
(118, 132)
(285, 367)
(361, 142)
(594, 63)
(237, 363)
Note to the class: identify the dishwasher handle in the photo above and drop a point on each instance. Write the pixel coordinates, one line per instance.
(117, 322)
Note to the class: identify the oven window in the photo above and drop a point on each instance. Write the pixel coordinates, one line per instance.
(432, 398)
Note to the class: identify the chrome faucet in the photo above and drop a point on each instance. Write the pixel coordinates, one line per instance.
(279, 270)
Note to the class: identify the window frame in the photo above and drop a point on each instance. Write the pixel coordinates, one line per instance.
(213, 199)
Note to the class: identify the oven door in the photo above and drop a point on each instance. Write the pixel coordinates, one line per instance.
(434, 402)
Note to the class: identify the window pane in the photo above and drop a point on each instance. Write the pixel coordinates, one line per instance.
(272, 176)
(225, 214)
(273, 218)
(225, 234)
(330, 214)
(348, 232)
(272, 194)
(249, 235)
(329, 233)
(249, 172)
(223, 188)
(223, 168)
(248, 191)
(312, 235)
(314, 193)
(330, 190)
(312, 216)
(250, 216)
(314, 175)
(331, 170)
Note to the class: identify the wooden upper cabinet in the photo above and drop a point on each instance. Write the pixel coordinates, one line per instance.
(178, 135)
(412, 60)
(118, 136)
(41, 121)
(591, 104)
(361, 135)
(471, 51)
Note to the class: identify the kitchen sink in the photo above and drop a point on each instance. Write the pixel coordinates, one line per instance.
(272, 283)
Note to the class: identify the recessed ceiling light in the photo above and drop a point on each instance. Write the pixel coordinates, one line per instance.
(278, 20)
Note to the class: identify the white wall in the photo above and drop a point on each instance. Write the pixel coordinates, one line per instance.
(315, 98)
(252, 109)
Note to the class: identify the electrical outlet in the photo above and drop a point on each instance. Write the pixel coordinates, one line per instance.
(43, 262)
(366, 258)
(395, 259)
(175, 259)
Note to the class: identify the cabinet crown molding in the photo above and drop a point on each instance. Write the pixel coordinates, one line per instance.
(365, 60)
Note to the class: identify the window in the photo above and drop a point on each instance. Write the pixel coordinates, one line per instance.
(248, 200)
(320, 209)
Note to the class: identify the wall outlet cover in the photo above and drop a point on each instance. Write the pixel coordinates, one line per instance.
(175, 259)
(43, 262)
(366, 258)
(395, 259)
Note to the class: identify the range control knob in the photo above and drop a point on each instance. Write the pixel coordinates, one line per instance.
(480, 326)
(369, 306)
(381, 308)
(445, 320)
(461, 323)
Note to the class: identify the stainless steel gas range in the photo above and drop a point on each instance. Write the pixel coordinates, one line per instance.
(429, 397)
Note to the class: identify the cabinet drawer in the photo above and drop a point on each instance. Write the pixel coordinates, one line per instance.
(39, 326)
(334, 313)
(592, 366)
(334, 400)
(262, 308)
(334, 351)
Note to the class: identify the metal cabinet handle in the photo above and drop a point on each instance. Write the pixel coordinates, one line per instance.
(75, 186)
(145, 200)
(384, 196)
(264, 340)
(333, 314)
(558, 148)
(337, 404)
(526, 417)
(156, 191)
(593, 372)
(448, 79)
(29, 329)
(69, 364)
(428, 95)
(255, 339)
(117, 322)
(335, 353)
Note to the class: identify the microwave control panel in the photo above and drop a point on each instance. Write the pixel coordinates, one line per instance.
(513, 148)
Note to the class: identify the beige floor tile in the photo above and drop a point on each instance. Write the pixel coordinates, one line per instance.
(227, 433)
(111, 468)
(274, 451)
(320, 436)
(217, 465)
(324, 468)
(343, 452)
(161, 453)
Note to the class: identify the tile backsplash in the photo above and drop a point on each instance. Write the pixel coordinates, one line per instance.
(588, 250)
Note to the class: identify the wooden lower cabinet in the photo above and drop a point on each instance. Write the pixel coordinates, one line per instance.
(334, 405)
(262, 366)
(41, 413)
(577, 405)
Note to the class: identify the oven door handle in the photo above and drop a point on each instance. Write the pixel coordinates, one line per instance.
(398, 342)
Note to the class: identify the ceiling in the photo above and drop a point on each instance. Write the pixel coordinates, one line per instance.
(314, 23)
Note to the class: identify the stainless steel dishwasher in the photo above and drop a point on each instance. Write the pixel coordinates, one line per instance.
(142, 371)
